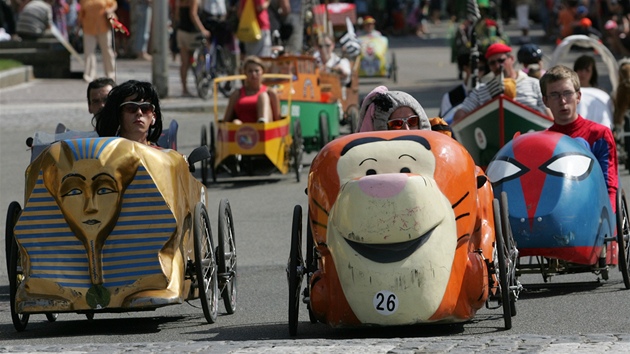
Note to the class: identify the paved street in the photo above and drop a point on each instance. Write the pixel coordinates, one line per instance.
(260, 325)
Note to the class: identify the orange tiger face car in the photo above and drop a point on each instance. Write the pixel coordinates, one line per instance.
(397, 218)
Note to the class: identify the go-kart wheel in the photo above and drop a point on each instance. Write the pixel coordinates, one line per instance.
(311, 266)
(13, 213)
(500, 263)
(393, 68)
(511, 252)
(297, 148)
(295, 270)
(226, 256)
(213, 153)
(204, 162)
(52, 317)
(205, 264)
(90, 316)
(353, 118)
(15, 278)
(623, 237)
(324, 138)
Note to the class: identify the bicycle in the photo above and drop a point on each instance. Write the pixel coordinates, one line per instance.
(208, 62)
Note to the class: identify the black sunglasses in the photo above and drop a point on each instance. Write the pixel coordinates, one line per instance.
(500, 61)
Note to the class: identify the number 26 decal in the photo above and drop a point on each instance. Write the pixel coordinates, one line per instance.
(385, 302)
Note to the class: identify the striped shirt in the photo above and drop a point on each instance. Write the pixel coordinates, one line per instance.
(527, 93)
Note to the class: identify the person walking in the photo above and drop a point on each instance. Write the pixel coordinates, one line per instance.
(141, 28)
(189, 26)
(94, 17)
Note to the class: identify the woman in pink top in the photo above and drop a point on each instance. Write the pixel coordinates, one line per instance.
(94, 18)
(254, 102)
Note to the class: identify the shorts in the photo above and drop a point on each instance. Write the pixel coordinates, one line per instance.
(188, 40)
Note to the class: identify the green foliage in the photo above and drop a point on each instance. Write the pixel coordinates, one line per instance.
(6, 64)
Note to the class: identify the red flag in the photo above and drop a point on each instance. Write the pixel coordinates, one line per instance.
(118, 26)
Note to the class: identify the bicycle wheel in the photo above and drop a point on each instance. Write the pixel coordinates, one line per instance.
(225, 65)
(200, 66)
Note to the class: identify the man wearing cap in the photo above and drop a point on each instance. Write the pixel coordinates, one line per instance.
(499, 60)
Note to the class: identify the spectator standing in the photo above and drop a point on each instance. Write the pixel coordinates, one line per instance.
(531, 57)
(94, 17)
(522, 18)
(294, 44)
(261, 47)
(60, 10)
(35, 20)
(141, 28)
(189, 26)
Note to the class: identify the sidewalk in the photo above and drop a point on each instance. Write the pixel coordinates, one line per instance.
(72, 92)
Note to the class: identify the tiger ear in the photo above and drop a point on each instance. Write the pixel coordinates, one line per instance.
(481, 180)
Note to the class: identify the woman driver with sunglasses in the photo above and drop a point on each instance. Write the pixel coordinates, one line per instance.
(132, 111)
(396, 110)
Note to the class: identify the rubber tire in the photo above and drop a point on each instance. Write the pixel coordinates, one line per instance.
(204, 162)
(510, 244)
(324, 137)
(13, 214)
(19, 320)
(623, 237)
(205, 264)
(213, 153)
(226, 256)
(311, 265)
(503, 283)
(297, 149)
(353, 118)
(294, 270)
(394, 69)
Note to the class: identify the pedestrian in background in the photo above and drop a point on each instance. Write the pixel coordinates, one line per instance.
(141, 28)
(94, 17)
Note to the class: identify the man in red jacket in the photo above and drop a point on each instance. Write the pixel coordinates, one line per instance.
(560, 88)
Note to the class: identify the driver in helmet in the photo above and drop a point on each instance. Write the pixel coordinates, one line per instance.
(530, 56)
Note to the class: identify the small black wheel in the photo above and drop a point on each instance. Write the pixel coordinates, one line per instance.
(52, 317)
(353, 118)
(13, 214)
(90, 316)
(311, 266)
(324, 138)
(205, 264)
(297, 149)
(500, 263)
(226, 256)
(623, 237)
(16, 276)
(511, 251)
(213, 153)
(204, 162)
(295, 270)
(393, 68)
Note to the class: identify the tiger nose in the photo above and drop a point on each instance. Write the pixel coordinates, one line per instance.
(383, 185)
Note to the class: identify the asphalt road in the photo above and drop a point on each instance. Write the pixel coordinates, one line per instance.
(580, 315)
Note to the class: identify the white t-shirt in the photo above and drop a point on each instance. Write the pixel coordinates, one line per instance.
(596, 105)
(344, 65)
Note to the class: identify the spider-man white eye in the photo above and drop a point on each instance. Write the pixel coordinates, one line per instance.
(569, 165)
(504, 169)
